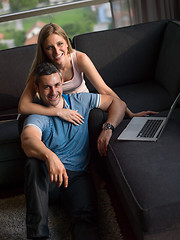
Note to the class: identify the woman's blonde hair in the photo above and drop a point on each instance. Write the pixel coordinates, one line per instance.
(45, 32)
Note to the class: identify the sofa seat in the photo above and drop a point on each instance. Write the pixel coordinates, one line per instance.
(154, 96)
(11, 156)
(146, 177)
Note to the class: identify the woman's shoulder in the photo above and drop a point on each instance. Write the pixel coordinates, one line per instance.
(77, 55)
(80, 55)
(82, 59)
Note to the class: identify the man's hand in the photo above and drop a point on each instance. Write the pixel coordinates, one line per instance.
(103, 141)
(34, 147)
(57, 171)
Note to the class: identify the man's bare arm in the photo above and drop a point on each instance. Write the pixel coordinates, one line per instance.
(116, 110)
(34, 147)
(115, 107)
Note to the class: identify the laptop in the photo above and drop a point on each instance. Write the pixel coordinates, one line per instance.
(146, 128)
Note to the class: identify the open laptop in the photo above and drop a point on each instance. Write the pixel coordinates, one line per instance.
(146, 128)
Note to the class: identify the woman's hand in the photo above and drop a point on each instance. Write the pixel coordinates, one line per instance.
(144, 114)
(70, 115)
(139, 114)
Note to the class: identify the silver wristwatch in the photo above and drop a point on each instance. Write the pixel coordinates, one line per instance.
(107, 126)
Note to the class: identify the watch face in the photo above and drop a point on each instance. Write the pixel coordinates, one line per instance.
(107, 126)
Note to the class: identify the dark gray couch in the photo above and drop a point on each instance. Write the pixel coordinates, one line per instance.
(15, 64)
(141, 64)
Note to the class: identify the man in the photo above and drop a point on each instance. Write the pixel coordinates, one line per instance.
(57, 153)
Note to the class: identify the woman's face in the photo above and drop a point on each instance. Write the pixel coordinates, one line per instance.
(55, 48)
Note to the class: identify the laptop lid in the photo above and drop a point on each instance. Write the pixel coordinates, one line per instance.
(134, 127)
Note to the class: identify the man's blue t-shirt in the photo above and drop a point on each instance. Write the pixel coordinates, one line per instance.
(69, 142)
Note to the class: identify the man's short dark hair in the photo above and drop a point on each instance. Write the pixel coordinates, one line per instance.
(45, 68)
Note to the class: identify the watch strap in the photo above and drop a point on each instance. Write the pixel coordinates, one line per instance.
(107, 126)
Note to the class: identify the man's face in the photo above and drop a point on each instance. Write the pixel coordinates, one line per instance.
(50, 89)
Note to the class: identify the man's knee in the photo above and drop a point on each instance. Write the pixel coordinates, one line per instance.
(31, 165)
(35, 169)
(96, 118)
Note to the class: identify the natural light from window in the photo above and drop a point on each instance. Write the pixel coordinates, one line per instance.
(74, 21)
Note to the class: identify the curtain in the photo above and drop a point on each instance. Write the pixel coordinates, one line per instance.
(152, 10)
(128, 12)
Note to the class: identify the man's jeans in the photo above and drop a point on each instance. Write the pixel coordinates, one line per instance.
(79, 199)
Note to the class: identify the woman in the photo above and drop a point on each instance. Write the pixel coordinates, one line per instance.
(54, 46)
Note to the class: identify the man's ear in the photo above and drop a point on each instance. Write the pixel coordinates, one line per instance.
(36, 88)
(37, 95)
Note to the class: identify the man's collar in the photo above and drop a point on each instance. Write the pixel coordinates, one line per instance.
(66, 101)
(65, 97)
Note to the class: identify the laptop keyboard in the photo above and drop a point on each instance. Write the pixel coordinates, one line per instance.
(150, 128)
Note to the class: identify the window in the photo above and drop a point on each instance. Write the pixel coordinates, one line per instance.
(75, 17)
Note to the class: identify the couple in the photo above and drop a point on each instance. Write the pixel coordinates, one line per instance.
(56, 139)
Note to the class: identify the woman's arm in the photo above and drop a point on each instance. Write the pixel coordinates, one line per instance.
(26, 106)
(87, 67)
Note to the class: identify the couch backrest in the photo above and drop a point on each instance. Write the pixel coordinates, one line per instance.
(168, 66)
(15, 64)
(124, 55)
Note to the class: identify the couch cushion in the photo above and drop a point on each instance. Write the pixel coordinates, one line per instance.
(123, 55)
(10, 141)
(144, 96)
(12, 158)
(168, 67)
(15, 66)
(147, 176)
(10, 114)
